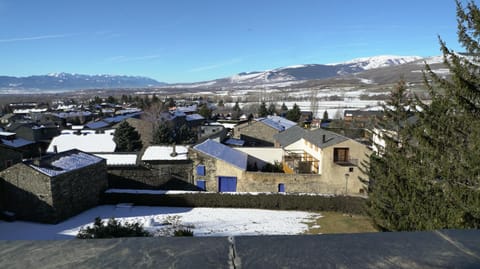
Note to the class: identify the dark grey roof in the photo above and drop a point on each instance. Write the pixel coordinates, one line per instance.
(289, 136)
(319, 137)
(323, 138)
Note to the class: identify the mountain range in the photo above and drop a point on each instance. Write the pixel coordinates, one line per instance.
(378, 69)
(67, 81)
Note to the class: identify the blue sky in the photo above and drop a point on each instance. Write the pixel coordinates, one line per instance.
(192, 40)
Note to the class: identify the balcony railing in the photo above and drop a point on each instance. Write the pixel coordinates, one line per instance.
(347, 162)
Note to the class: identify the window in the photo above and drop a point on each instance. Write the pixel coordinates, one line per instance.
(8, 163)
(201, 170)
(350, 169)
(340, 155)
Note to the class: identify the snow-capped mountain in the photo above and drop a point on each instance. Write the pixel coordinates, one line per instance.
(304, 72)
(67, 81)
(367, 63)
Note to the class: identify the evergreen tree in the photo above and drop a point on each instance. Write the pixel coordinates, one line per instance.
(127, 138)
(325, 116)
(262, 110)
(185, 135)
(294, 114)
(272, 110)
(205, 111)
(237, 111)
(284, 108)
(428, 175)
(390, 185)
(220, 103)
(163, 135)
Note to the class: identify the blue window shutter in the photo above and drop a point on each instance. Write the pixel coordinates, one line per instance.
(281, 187)
(202, 184)
(201, 170)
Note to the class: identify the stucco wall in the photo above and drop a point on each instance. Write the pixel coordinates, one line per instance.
(336, 174)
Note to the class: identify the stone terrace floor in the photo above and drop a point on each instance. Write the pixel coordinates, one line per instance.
(436, 249)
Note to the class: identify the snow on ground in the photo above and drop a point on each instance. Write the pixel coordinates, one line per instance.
(158, 220)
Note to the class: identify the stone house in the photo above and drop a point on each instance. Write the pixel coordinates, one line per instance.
(260, 132)
(217, 167)
(55, 187)
(8, 157)
(320, 152)
(25, 148)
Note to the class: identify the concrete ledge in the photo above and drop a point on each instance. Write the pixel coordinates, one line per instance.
(436, 249)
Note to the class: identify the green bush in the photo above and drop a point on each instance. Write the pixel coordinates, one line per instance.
(112, 229)
(183, 232)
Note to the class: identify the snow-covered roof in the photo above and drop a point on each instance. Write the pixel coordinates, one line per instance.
(164, 153)
(65, 162)
(118, 159)
(88, 142)
(278, 123)
(16, 143)
(97, 125)
(235, 142)
(193, 117)
(224, 153)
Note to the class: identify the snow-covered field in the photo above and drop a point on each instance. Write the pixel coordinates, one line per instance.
(162, 221)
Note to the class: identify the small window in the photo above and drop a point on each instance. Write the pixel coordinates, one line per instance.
(201, 170)
(350, 169)
(8, 163)
(340, 155)
(281, 187)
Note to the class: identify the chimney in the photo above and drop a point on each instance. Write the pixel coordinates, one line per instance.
(174, 153)
(55, 149)
(324, 138)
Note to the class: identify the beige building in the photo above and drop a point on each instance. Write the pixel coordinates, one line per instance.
(320, 152)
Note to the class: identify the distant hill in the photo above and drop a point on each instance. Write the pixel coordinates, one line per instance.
(300, 73)
(66, 81)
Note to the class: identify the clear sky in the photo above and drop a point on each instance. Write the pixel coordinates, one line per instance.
(197, 40)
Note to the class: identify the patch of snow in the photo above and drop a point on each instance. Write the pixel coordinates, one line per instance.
(367, 63)
(203, 222)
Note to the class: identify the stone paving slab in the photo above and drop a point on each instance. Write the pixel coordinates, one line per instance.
(438, 249)
(162, 252)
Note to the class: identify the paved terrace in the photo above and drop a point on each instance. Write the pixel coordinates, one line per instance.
(437, 249)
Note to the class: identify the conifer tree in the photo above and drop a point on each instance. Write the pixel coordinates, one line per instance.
(162, 135)
(272, 109)
(262, 110)
(428, 177)
(294, 114)
(127, 138)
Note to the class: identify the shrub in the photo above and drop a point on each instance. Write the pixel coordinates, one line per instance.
(112, 229)
(183, 232)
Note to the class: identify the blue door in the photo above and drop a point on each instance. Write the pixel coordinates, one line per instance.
(202, 184)
(281, 187)
(227, 184)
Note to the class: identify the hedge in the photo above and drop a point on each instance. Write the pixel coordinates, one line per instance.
(345, 204)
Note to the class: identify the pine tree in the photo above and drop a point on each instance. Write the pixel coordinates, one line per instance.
(272, 110)
(163, 135)
(450, 138)
(390, 183)
(127, 138)
(428, 176)
(262, 110)
(205, 111)
(294, 114)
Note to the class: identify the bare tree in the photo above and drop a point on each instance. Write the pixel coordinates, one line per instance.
(314, 102)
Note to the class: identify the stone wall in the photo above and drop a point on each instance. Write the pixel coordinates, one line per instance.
(78, 190)
(297, 183)
(9, 157)
(155, 176)
(255, 134)
(27, 193)
(34, 196)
